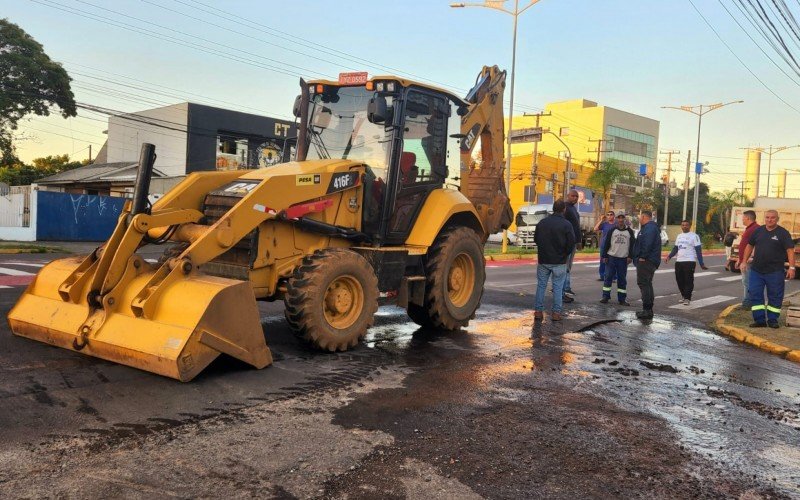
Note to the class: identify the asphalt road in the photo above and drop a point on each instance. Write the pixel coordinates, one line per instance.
(598, 405)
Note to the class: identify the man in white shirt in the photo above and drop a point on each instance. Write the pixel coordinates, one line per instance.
(690, 253)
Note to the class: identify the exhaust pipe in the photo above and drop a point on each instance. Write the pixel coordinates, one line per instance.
(147, 158)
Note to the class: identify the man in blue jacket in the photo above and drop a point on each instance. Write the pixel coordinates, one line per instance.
(647, 257)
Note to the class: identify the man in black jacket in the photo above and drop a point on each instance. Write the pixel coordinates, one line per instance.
(574, 218)
(555, 241)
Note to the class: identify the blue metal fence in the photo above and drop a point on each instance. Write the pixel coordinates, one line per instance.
(76, 217)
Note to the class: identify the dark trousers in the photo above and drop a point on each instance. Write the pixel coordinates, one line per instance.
(603, 268)
(617, 267)
(684, 275)
(775, 285)
(644, 278)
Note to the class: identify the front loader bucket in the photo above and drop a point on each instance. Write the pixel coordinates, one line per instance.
(196, 318)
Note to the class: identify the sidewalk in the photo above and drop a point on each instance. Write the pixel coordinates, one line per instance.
(784, 341)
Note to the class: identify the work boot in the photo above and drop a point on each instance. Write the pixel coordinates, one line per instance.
(624, 303)
(758, 324)
(567, 299)
(569, 291)
(773, 324)
(645, 314)
(538, 315)
(556, 316)
(604, 300)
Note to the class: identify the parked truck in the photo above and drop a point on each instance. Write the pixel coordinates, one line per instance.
(789, 217)
(529, 215)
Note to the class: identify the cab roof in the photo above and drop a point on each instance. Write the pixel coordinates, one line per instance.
(402, 81)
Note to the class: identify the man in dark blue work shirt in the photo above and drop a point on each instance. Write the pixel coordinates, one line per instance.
(647, 257)
(574, 218)
(604, 227)
(773, 246)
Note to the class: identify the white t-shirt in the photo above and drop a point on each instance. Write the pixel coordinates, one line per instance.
(686, 243)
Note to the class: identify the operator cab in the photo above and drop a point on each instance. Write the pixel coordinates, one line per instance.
(407, 134)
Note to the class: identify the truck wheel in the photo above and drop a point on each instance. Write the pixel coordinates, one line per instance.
(331, 299)
(455, 269)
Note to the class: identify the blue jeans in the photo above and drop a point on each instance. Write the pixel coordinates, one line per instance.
(745, 278)
(567, 283)
(543, 274)
(616, 267)
(775, 285)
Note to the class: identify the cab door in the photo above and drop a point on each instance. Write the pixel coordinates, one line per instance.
(421, 167)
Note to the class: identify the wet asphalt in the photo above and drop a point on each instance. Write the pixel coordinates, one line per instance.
(599, 405)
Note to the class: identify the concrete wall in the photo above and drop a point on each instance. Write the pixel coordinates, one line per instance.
(165, 127)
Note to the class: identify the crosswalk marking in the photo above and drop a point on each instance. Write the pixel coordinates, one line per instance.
(14, 272)
(706, 273)
(29, 264)
(508, 285)
(662, 271)
(730, 278)
(708, 301)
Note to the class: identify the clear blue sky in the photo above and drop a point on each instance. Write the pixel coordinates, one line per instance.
(631, 55)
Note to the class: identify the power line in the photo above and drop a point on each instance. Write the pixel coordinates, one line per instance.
(739, 58)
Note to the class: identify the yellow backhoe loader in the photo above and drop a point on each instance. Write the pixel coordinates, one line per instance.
(383, 200)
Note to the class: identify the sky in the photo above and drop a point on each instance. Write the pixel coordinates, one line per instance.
(248, 55)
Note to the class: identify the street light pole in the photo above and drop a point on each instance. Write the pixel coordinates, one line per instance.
(568, 172)
(490, 4)
(699, 111)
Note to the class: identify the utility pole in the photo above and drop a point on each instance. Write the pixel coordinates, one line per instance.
(741, 186)
(90, 153)
(666, 182)
(686, 184)
(535, 162)
(599, 149)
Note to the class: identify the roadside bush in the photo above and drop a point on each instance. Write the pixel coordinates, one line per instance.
(708, 240)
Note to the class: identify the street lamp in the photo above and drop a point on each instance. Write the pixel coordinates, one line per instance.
(699, 111)
(568, 172)
(498, 5)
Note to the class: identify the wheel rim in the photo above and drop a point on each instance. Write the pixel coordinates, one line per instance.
(343, 302)
(461, 280)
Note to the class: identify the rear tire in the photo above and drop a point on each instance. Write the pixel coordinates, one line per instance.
(331, 299)
(455, 270)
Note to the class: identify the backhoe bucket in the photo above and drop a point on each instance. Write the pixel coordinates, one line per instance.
(196, 318)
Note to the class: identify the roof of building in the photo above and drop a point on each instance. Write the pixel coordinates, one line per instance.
(102, 172)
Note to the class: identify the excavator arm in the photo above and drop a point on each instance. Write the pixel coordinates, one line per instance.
(482, 180)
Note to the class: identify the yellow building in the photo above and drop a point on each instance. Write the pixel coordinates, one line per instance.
(591, 133)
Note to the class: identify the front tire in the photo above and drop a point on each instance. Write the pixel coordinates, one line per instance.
(331, 299)
(455, 270)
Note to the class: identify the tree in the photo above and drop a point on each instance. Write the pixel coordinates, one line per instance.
(646, 199)
(721, 204)
(30, 83)
(606, 175)
(21, 174)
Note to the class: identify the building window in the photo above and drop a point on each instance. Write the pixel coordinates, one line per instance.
(231, 153)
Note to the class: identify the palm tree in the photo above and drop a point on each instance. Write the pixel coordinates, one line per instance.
(722, 204)
(606, 175)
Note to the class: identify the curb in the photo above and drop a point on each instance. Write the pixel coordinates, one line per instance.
(745, 336)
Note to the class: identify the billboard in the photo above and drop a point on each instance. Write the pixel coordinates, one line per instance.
(585, 199)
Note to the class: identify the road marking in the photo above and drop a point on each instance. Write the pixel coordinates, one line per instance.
(707, 273)
(509, 285)
(29, 264)
(14, 272)
(708, 301)
(152, 261)
(593, 265)
(730, 278)
(4, 286)
(662, 271)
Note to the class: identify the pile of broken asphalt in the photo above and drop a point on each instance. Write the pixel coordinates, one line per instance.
(735, 322)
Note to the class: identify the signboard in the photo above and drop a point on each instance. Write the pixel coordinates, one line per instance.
(355, 78)
(585, 199)
(533, 134)
(642, 169)
(698, 168)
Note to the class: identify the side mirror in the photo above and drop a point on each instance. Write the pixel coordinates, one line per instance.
(377, 109)
(296, 109)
